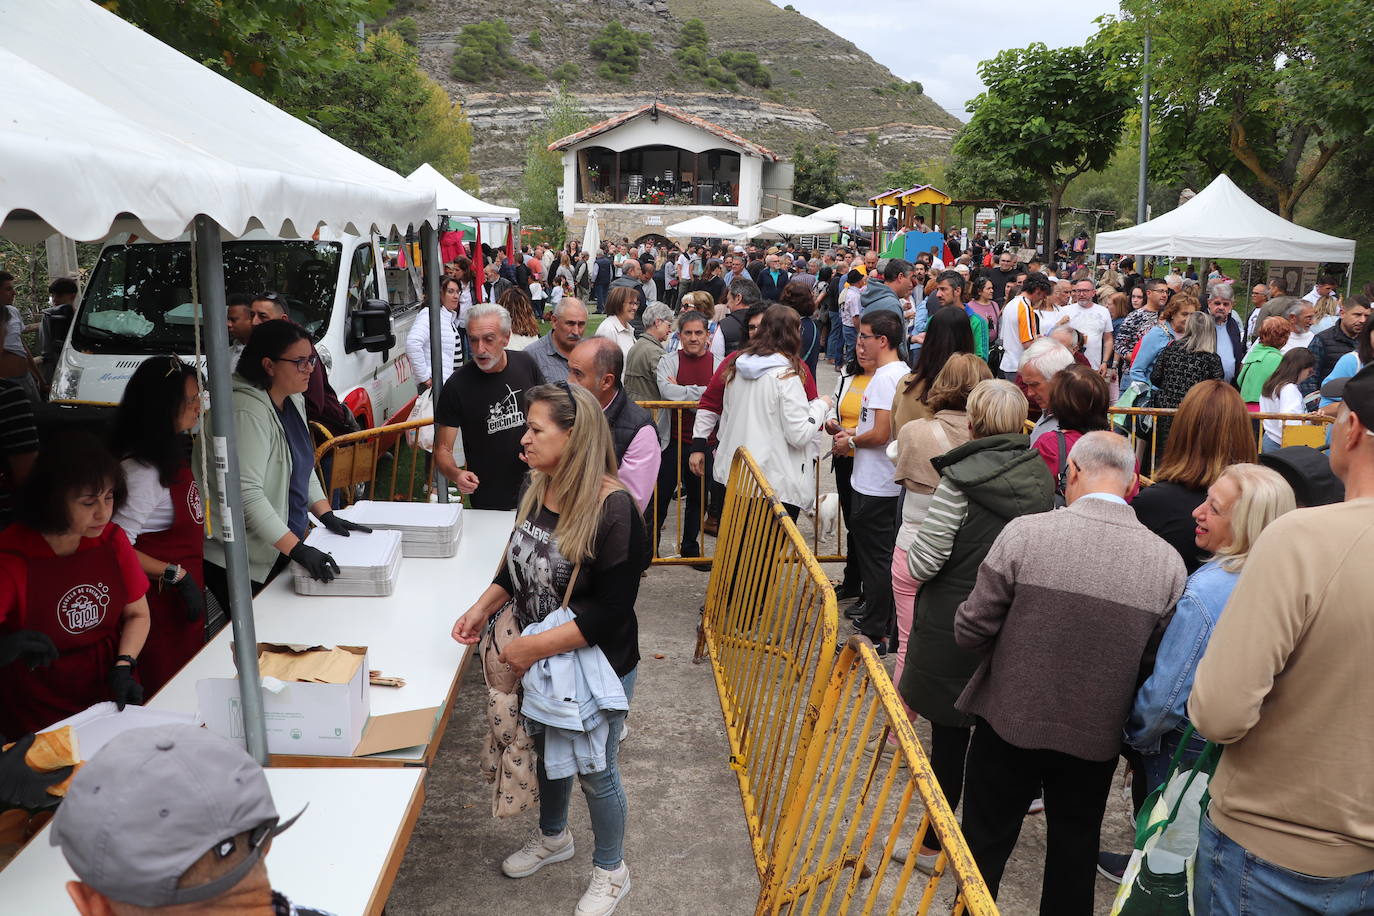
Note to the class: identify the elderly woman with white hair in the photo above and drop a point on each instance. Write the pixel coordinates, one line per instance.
(1245, 499)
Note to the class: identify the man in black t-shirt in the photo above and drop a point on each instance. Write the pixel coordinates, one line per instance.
(1003, 272)
(485, 400)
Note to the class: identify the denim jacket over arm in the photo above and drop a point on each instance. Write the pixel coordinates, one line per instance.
(1161, 703)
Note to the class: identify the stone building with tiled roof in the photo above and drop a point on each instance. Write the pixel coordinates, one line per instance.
(656, 165)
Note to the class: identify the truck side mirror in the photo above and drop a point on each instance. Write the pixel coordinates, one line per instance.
(370, 328)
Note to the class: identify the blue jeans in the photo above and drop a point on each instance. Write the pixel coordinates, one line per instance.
(1269, 445)
(1156, 766)
(605, 796)
(834, 342)
(851, 337)
(1233, 882)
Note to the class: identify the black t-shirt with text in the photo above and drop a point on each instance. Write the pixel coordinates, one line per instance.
(488, 408)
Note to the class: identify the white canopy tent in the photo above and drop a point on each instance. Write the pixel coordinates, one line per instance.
(787, 224)
(118, 132)
(848, 215)
(489, 220)
(1223, 221)
(706, 227)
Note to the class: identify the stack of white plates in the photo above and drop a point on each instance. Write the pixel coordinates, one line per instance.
(369, 564)
(427, 529)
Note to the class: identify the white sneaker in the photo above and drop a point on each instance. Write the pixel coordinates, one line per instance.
(1037, 806)
(605, 892)
(539, 851)
(624, 731)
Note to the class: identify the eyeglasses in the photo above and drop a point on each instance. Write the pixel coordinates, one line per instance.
(571, 397)
(869, 336)
(303, 364)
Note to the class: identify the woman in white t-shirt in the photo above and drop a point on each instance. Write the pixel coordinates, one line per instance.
(621, 306)
(1281, 394)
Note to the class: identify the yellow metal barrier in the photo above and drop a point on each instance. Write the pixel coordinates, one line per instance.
(379, 463)
(1312, 430)
(823, 817)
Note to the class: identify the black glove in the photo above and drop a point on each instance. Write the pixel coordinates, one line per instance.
(194, 598)
(319, 564)
(126, 690)
(34, 647)
(341, 526)
(22, 787)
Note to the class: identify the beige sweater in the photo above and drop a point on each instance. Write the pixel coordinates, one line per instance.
(1287, 682)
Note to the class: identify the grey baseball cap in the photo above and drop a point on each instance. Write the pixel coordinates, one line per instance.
(152, 802)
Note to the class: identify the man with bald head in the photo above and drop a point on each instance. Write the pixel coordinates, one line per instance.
(551, 352)
(597, 365)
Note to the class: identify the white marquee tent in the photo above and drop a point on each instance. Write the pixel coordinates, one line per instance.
(847, 215)
(787, 224)
(706, 227)
(1222, 221)
(106, 129)
(454, 201)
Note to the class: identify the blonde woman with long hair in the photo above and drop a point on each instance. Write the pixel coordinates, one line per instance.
(1242, 502)
(575, 523)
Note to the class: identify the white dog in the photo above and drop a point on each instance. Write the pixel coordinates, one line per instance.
(829, 515)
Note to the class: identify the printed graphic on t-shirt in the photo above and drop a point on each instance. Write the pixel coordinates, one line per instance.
(506, 414)
(193, 503)
(83, 607)
(538, 571)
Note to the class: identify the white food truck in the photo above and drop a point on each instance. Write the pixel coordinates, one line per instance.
(138, 303)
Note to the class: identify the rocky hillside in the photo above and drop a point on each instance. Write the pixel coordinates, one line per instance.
(821, 89)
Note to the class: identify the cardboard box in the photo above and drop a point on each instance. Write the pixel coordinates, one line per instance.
(315, 702)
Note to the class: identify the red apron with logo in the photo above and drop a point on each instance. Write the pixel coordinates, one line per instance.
(78, 601)
(172, 639)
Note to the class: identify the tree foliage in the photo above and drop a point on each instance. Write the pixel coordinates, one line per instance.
(543, 174)
(1047, 116)
(618, 50)
(721, 71)
(384, 107)
(484, 51)
(1275, 86)
(304, 58)
(817, 181)
(273, 48)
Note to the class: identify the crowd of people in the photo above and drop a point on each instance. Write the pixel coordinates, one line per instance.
(971, 399)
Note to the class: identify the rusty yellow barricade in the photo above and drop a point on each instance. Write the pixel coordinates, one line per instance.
(831, 774)
(379, 463)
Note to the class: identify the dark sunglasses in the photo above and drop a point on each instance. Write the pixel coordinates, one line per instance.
(568, 388)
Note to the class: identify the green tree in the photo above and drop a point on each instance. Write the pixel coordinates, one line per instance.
(1047, 116)
(1278, 87)
(543, 175)
(618, 50)
(382, 105)
(565, 72)
(817, 180)
(483, 49)
(693, 35)
(273, 48)
(535, 40)
(745, 65)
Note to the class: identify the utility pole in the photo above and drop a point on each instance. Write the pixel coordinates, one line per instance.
(1141, 188)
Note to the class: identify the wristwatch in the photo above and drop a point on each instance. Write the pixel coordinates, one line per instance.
(133, 662)
(171, 575)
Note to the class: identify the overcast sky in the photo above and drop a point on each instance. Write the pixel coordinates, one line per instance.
(940, 45)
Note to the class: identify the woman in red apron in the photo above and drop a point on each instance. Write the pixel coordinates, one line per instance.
(162, 515)
(69, 577)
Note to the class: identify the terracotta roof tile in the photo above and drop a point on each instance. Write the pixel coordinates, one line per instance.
(675, 113)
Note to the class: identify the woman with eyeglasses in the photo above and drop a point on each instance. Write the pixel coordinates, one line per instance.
(276, 464)
(163, 515)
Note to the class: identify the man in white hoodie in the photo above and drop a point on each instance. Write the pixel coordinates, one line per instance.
(873, 512)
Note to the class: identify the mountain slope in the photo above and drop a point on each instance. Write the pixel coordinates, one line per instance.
(823, 89)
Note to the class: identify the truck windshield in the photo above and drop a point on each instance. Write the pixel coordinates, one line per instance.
(139, 296)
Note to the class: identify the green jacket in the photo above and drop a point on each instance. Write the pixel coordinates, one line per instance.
(264, 477)
(1002, 478)
(1255, 370)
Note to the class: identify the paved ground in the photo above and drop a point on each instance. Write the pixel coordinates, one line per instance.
(686, 844)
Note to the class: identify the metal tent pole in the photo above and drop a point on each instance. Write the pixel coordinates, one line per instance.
(210, 270)
(429, 244)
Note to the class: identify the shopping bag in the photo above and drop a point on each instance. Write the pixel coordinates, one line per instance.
(422, 437)
(1158, 880)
